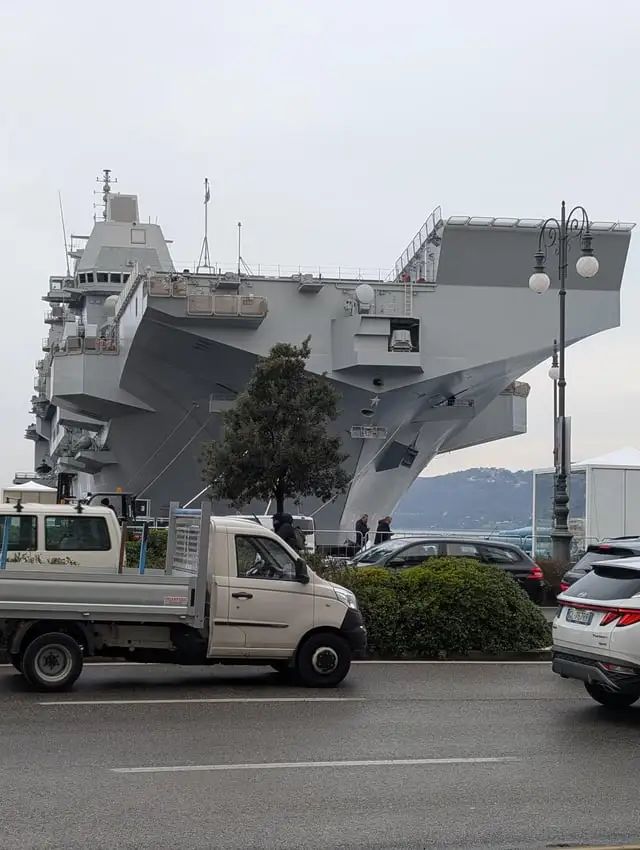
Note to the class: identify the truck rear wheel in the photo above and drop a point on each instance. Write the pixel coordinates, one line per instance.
(52, 662)
(610, 699)
(323, 660)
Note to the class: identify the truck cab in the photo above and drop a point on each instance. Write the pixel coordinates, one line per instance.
(41, 536)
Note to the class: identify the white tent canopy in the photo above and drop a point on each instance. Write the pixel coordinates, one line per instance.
(627, 458)
(31, 487)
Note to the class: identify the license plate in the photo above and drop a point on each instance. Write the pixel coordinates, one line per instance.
(579, 615)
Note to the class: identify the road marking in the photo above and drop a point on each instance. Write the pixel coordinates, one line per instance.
(289, 765)
(196, 700)
(444, 663)
(595, 846)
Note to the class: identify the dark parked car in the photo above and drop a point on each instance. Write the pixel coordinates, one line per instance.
(617, 547)
(402, 552)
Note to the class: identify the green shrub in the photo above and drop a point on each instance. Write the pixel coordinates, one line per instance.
(447, 606)
(156, 549)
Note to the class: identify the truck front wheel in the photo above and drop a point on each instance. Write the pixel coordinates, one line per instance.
(52, 662)
(323, 660)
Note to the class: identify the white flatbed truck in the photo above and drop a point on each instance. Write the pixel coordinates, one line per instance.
(231, 592)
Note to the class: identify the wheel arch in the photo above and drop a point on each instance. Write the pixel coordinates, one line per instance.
(28, 631)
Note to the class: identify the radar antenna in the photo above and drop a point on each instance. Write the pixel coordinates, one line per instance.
(106, 181)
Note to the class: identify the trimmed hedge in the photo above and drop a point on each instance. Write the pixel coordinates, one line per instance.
(447, 606)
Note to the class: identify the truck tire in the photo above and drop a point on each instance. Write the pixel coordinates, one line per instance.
(52, 662)
(610, 699)
(323, 660)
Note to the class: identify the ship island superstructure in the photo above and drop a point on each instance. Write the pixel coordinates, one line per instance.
(141, 359)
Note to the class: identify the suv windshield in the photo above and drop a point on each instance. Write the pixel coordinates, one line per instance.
(376, 553)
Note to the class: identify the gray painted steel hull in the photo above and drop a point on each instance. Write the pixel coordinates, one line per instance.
(180, 359)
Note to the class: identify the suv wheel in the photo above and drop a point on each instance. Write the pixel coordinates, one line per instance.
(610, 699)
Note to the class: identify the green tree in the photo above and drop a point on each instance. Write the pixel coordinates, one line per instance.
(275, 443)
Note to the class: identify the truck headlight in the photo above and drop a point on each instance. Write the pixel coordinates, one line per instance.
(347, 597)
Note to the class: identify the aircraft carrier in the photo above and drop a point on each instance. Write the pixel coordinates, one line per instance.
(141, 359)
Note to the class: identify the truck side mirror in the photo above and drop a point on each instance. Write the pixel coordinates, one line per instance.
(302, 573)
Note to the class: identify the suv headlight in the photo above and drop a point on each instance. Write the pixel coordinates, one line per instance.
(347, 597)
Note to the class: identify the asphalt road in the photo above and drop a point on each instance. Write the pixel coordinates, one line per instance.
(401, 756)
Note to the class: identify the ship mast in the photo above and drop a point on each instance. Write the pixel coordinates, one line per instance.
(204, 260)
(106, 181)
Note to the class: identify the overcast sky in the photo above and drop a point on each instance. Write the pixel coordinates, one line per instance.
(330, 130)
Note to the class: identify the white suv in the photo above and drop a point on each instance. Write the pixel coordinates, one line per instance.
(596, 632)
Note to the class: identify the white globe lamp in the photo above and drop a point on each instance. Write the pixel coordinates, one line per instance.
(554, 373)
(587, 266)
(539, 282)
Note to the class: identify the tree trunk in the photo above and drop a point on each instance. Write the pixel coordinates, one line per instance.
(279, 501)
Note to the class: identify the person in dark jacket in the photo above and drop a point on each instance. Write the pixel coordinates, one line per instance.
(286, 532)
(362, 531)
(383, 531)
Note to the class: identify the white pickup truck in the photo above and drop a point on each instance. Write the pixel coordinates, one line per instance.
(231, 592)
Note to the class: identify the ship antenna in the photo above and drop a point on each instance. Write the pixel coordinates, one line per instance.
(106, 181)
(64, 233)
(239, 244)
(205, 260)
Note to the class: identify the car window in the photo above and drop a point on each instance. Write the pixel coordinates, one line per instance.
(415, 554)
(22, 532)
(604, 582)
(597, 555)
(377, 553)
(76, 534)
(497, 555)
(463, 550)
(261, 557)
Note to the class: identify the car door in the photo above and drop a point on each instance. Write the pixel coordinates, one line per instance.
(507, 559)
(413, 555)
(265, 599)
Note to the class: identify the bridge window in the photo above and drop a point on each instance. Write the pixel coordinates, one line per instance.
(103, 277)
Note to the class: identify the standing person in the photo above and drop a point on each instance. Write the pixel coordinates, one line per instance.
(362, 531)
(286, 531)
(383, 531)
(107, 504)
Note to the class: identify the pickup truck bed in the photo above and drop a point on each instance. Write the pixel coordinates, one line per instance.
(152, 597)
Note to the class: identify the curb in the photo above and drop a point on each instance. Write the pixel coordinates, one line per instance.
(531, 655)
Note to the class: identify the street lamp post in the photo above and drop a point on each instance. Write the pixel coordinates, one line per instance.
(559, 234)
(554, 372)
